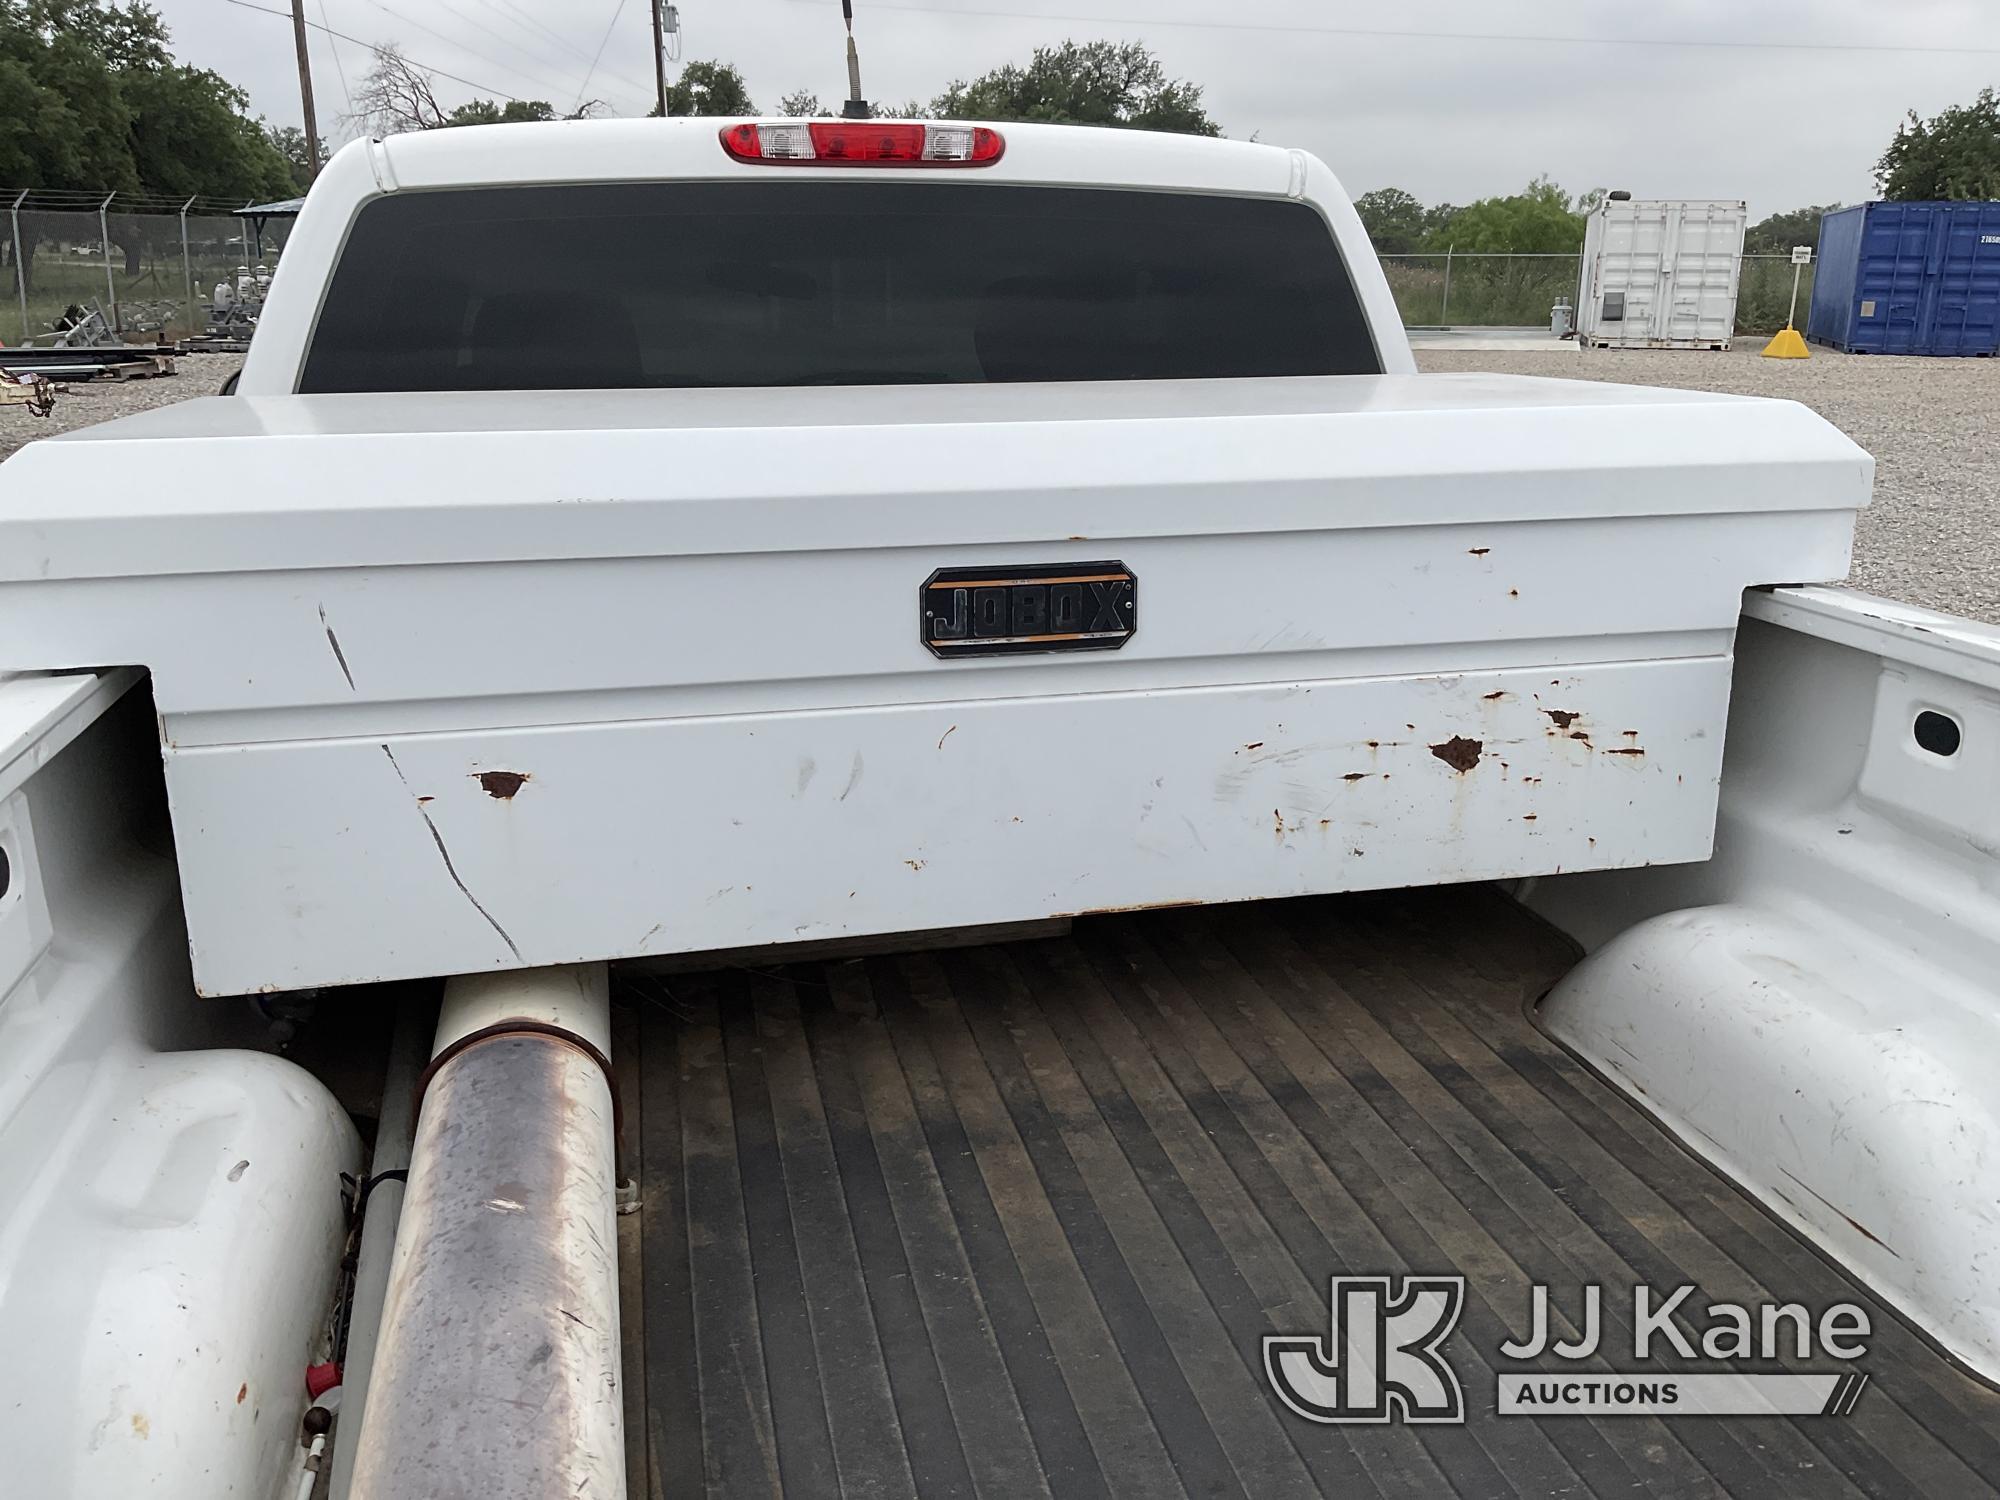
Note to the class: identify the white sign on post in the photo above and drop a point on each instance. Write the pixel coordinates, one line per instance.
(1802, 255)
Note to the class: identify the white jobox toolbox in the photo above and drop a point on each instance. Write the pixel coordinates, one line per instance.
(1393, 630)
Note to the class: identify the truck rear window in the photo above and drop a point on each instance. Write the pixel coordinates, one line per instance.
(615, 286)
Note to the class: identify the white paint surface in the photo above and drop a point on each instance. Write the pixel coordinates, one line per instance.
(1816, 1009)
(662, 836)
(169, 1221)
(687, 618)
(681, 626)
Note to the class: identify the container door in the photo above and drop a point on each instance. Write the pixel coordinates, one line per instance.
(1936, 248)
(1631, 286)
(1895, 260)
(1664, 312)
(1961, 306)
(1707, 242)
(1982, 292)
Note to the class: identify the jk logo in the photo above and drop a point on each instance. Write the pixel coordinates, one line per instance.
(1381, 1363)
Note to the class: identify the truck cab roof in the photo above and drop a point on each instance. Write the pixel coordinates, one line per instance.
(683, 148)
(609, 153)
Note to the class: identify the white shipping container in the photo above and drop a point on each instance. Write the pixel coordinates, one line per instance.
(1661, 273)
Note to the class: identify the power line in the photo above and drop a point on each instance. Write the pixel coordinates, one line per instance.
(509, 41)
(523, 19)
(454, 42)
(334, 47)
(617, 11)
(1538, 39)
(484, 88)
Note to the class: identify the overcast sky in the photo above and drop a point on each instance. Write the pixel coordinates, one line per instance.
(1449, 117)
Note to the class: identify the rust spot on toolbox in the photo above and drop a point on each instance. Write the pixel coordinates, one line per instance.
(502, 785)
(1562, 717)
(1458, 752)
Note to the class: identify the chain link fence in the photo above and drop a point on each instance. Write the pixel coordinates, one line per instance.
(148, 269)
(1479, 290)
(1764, 296)
(1496, 290)
(152, 269)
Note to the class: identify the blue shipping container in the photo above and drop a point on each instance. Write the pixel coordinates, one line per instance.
(1908, 278)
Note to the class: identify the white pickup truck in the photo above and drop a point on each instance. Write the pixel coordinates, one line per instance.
(885, 808)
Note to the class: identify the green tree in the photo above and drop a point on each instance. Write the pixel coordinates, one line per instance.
(1955, 154)
(1538, 220)
(290, 142)
(94, 100)
(189, 138)
(801, 104)
(513, 112)
(41, 135)
(708, 88)
(1780, 232)
(67, 125)
(1393, 218)
(91, 98)
(1081, 83)
(1437, 218)
(191, 134)
(126, 37)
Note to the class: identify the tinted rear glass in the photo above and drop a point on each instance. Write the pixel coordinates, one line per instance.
(828, 283)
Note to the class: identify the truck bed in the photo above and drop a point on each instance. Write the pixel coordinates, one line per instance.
(1013, 1220)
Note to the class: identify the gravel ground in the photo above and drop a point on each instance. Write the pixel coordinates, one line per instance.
(85, 403)
(1932, 537)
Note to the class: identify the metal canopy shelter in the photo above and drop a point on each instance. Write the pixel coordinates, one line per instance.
(257, 215)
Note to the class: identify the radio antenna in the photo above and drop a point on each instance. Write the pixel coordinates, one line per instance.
(856, 107)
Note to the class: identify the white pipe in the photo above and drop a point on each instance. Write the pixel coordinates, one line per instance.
(393, 1132)
(497, 1371)
(309, 1476)
(576, 999)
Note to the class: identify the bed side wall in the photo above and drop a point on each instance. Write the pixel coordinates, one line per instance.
(1816, 1010)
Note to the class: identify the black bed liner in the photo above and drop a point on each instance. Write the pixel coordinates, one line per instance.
(1013, 1220)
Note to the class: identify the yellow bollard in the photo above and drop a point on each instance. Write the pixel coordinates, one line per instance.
(1787, 345)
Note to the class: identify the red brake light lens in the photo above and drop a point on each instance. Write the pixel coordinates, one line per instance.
(861, 143)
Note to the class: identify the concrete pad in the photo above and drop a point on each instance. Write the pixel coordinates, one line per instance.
(1503, 340)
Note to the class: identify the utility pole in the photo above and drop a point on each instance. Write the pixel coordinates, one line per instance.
(306, 88)
(660, 57)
